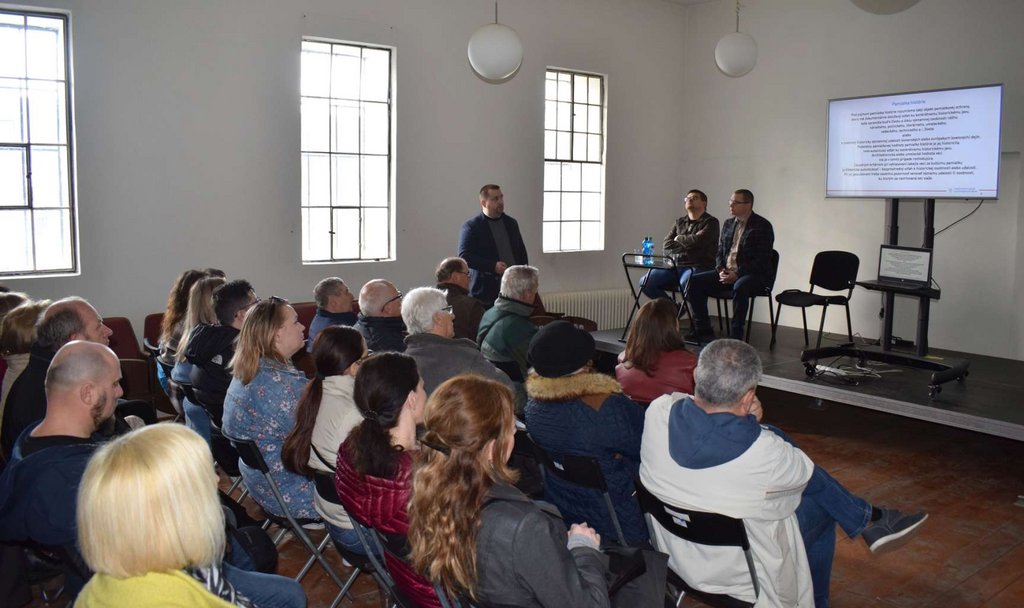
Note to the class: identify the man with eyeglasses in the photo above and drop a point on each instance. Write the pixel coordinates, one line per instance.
(380, 316)
(743, 262)
(490, 242)
(691, 242)
(453, 279)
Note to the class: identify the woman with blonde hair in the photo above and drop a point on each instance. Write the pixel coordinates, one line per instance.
(655, 361)
(472, 531)
(17, 334)
(199, 312)
(262, 398)
(151, 527)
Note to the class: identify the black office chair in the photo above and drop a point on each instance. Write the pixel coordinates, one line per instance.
(701, 528)
(725, 294)
(250, 454)
(583, 471)
(832, 271)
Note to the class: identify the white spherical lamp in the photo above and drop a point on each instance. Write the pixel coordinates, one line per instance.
(884, 7)
(495, 52)
(736, 54)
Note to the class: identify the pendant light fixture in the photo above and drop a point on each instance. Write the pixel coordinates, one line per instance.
(736, 53)
(495, 51)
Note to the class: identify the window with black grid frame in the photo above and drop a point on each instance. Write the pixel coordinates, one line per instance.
(574, 171)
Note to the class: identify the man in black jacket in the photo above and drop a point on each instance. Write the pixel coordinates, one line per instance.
(490, 242)
(453, 278)
(743, 262)
(380, 316)
(211, 347)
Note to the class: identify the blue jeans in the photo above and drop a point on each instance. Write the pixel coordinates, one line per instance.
(266, 590)
(197, 419)
(346, 537)
(824, 503)
(703, 284)
(657, 280)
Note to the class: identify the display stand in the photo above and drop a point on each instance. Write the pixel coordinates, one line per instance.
(943, 371)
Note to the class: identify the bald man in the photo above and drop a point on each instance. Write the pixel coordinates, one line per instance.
(380, 316)
(64, 321)
(38, 487)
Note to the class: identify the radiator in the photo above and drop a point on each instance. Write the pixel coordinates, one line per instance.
(607, 307)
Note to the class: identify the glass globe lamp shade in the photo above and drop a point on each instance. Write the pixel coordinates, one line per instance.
(495, 52)
(736, 54)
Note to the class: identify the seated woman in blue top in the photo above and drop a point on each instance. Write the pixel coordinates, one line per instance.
(572, 409)
(261, 401)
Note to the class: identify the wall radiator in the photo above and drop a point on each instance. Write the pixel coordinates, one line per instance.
(607, 307)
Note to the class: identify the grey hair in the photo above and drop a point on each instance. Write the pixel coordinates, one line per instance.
(373, 295)
(419, 306)
(726, 370)
(517, 281)
(61, 321)
(331, 286)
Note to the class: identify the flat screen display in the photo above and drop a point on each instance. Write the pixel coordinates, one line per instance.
(931, 144)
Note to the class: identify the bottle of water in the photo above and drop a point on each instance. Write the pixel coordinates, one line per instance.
(648, 249)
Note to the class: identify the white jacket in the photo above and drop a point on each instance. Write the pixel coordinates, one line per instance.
(762, 486)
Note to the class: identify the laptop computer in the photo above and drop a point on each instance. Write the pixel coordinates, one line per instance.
(909, 267)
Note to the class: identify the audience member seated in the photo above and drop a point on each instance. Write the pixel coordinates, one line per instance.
(572, 409)
(453, 278)
(261, 401)
(333, 307)
(380, 317)
(9, 301)
(655, 361)
(151, 527)
(17, 334)
(65, 320)
(326, 415)
(505, 329)
(211, 346)
(374, 476)
(472, 531)
(173, 323)
(708, 452)
(430, 342)
(37, 490)
(199, 312)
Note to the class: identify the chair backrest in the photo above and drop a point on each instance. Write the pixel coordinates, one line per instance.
(151, 329)
(123, 341)
(773, 271)
(834, 270)
(249, 452)
(580, 470)
(306, 311)
(695, 526)
(581, 323)
(511, 369)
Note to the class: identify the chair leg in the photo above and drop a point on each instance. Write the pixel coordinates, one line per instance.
(775, 324)
(718, 305)
(750, 318)
(803, 314)
(821, 326)
(849, 323)
(615, 518)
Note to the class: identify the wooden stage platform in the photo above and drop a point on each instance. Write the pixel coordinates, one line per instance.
(991, 400)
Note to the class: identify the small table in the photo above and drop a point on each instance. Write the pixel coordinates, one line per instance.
(636, 260)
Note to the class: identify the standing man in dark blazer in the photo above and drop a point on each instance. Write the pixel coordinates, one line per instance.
(490, 242)
(743, 261)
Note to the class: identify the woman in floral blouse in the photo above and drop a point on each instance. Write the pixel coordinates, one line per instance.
(261, 401)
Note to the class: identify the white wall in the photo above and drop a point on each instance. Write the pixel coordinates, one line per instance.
(188, 135)
(766, 132)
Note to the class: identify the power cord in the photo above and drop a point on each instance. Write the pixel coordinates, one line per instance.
(980, 201)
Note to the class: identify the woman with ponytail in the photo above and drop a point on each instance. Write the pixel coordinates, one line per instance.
(472, 531)
(326, 415)
(374, 466)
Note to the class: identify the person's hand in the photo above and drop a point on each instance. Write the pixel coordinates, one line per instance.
(585, 531)
(727, 276)
(755, 409)
(500, 267)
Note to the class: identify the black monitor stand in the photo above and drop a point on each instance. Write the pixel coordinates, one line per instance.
(944, 370)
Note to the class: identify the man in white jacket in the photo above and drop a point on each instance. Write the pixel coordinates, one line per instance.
(709, 452)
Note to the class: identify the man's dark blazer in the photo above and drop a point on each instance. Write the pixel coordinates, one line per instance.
(477, 247)
(755, 252)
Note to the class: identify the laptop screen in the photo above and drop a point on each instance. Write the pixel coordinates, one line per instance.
(906, 265)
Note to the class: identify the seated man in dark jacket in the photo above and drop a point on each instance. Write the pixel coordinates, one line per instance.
(38, 489)
(380, 316)
(211, 347)
(65, 320)
(333, 307)
(453, 278)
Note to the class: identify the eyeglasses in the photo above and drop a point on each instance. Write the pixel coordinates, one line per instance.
(736, 202)
(465, 272)
(447, 309)
(398, 297)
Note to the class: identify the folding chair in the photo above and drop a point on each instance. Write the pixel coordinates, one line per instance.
(373, 545)
(583, 471)
(250, 454)
(725, 295)
(701, 528)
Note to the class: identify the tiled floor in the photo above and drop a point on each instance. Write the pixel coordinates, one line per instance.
(969, 553)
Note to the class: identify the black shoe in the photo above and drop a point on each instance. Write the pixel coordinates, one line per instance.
(892, 526)
(699, 338)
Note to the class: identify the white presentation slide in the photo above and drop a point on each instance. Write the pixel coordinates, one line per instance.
(904, 264)
(934, 144)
